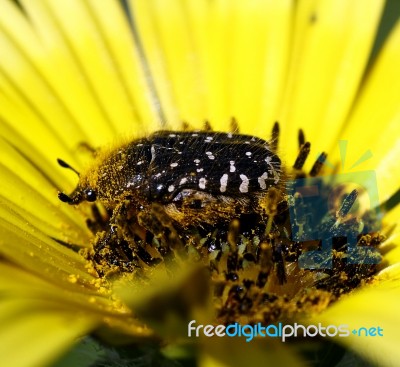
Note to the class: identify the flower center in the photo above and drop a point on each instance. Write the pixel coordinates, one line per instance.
(305, 243)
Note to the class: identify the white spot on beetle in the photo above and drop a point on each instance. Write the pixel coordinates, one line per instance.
(232, 168)
(202, 183)
(224, 182)
(153, 153)
(195, 134)
(183, 181)
(174, 164)
(139, 163)
(171, 188)
(172, 135)
(244, 186)
(272, 169)
(248, 154)
(275, 174)
(261, 180)
(210, 155)
(197, 161)
(200, 169)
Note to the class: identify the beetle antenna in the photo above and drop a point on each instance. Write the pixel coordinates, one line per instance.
(66, 165)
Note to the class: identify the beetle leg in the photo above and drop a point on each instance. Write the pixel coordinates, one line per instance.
(112, 253)
(114, 250)
(99, 221)
(163, 228)
(125, 241)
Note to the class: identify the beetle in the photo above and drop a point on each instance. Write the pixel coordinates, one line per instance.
(178, 179)
(171, 167)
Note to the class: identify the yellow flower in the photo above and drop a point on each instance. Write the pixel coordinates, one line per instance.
(81, 72)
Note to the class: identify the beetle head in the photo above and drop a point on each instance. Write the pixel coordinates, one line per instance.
(78, 195)
(82, 192)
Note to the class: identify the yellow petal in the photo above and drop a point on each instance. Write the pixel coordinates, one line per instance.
(375, 120)
(34, 334)
(29, 99)
(217, 60)
(128, 65)
(72, 293)
(25, 245)
(154, 57)
(372, 307)
(389, 277)
(24, 189)
(88, 49)
(254, 55)
(391, 250)
(391, 247)
(70, 80)
(332, 41)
